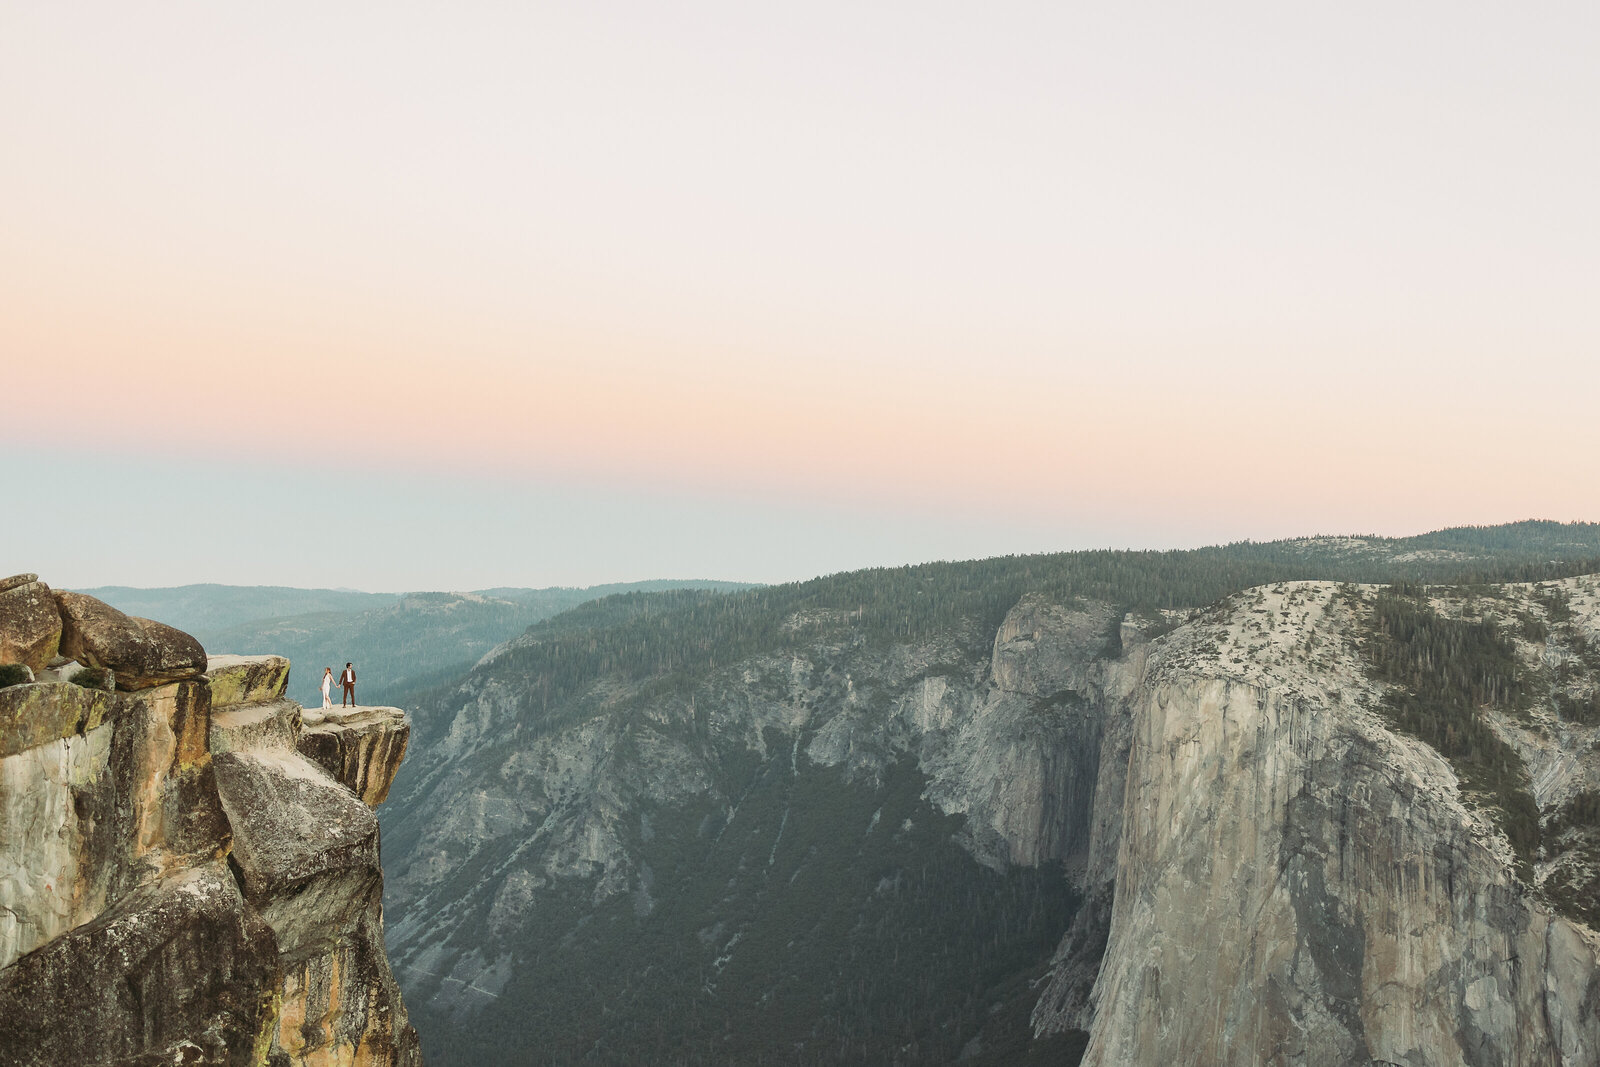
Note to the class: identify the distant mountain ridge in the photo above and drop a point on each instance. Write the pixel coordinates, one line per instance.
(208, 607)
(398, 641)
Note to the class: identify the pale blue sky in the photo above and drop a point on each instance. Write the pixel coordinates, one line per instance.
(101, 520)
(589, 292)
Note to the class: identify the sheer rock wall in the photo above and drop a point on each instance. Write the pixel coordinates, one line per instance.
(1297, 883)
(178, 882)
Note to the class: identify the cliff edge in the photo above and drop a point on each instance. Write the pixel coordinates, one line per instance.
(189, 869)
(1352, 829)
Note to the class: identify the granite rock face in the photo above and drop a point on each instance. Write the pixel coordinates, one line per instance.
(30, 622)
(180, 966)
(177, 883)
(1298, 883)
(1272, 872)
(101, 793)
(140, 652)
(1003, 730)
(360, 747)
(246, 679)
(306, 851)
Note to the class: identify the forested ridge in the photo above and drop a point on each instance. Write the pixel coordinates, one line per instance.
(1442, 671)
(793, 913)
(678, 635)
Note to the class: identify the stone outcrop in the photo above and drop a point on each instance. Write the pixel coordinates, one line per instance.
(140, 652)
(180, 970)
(30, 622)
(178, 884)
(33, 715)
(246, 679)
(101, 793)
(360, 747)
(1268, 867)
(306, 849)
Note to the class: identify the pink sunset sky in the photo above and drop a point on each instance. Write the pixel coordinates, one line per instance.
(451, 296)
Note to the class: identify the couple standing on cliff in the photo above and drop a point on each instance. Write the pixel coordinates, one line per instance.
(347, 679)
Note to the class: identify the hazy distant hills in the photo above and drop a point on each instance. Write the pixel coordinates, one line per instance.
(201, 609)
(398, 641)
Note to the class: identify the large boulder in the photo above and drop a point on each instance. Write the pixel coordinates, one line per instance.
(306, 850)
(141, 653)
(181, 970)
(30, 622)
(246, 679)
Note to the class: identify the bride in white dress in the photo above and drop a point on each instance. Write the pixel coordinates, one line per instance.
(327, 685)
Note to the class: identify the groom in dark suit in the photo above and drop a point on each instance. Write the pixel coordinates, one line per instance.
(348, 680)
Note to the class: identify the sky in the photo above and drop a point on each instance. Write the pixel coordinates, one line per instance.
(441, 296)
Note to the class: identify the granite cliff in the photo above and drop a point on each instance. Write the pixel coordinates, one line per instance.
(1294, 878)
(1277, 828)
(189, 864)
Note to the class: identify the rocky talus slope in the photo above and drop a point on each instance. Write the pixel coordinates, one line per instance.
(1310, 824)
(188, 862)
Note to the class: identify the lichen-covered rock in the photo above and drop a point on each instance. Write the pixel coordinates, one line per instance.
(246, 679)
(40, 712)
(16, 580)
(30, 622)
(361, 747)
(141, 653)
(182, 962)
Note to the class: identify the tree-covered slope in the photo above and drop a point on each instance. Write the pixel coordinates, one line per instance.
(675, 635)
(833, 821)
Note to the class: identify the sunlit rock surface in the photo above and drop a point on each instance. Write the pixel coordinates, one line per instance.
(306, 849)
(178, 884)
(30, 622)
(360, 746)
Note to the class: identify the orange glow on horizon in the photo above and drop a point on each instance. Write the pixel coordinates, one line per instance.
(1037, 262)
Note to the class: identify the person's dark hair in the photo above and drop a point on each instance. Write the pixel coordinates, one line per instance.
(349, 664)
